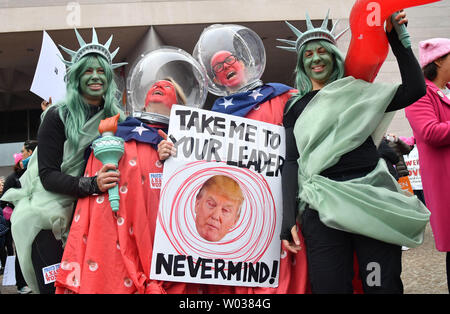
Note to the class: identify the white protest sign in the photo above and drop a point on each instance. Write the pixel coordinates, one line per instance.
(48, 79)
(412, 163)
(9, 275)
(202, 235)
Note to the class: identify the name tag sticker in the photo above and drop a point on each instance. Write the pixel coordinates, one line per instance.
(155, 180)
(50, 273)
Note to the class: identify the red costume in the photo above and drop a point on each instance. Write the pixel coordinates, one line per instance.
(110, 252)
(293, 272)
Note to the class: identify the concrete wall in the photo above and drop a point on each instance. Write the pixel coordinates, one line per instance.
(65, 14)
(7, 151)
(6, 157)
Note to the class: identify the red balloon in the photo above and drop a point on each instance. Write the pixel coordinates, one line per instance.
(369, 45)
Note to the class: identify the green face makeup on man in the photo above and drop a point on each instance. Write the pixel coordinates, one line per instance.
(93, 82)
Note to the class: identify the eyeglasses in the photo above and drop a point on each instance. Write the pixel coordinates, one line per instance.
(218, 67)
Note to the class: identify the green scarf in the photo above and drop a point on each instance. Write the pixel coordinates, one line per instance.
(336, 121)
(37, 209)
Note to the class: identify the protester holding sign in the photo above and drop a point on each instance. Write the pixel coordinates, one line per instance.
(333, 176)
(53, 180)
(429, 118)
(221, 204)
(234, 65)
(108, 251)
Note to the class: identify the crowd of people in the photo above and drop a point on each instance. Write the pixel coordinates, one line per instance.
(343, 208)
(12, 181)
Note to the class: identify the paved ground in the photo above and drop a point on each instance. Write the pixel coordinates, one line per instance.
(423, 270)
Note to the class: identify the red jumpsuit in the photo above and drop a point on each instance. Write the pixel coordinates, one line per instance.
(109, 252)
(293, 273)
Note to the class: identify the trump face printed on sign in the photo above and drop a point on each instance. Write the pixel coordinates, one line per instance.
(217, 207)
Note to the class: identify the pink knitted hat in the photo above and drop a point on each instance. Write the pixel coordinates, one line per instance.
(408, 140)
(432, 49)
(17, 157)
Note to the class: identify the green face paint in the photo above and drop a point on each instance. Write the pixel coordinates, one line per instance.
(93, 82)
(318, 63)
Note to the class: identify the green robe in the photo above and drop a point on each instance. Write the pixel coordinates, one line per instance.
(37, 209)
(336, 121)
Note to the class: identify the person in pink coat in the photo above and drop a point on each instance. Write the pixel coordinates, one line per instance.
(430, 121)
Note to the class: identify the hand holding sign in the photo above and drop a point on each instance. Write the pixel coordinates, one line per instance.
(220, 204)
(165, 147)
(294, 245)
(45, 104)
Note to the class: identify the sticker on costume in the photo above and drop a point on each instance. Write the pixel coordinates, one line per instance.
(155, 180)
(50, 273)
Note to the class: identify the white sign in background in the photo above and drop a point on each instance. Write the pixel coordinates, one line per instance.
(48, 79)
(9, 275)
(412, 163)
(251, 153)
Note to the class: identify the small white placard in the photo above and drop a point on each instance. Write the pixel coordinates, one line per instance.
(48, 79)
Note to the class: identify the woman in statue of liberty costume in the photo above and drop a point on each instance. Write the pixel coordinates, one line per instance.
(54, 179)
(333, 176)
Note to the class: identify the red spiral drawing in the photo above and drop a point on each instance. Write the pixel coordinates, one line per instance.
(248, 241)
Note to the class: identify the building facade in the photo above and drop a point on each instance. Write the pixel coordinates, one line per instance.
(141, 26)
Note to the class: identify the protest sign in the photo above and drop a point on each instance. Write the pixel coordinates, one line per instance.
(412, 163)
(48, 79)
(9, 275)
(250, 155)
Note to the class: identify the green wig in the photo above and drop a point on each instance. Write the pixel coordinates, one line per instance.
(74, 111)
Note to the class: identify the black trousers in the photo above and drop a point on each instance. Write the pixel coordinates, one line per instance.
(45, 251)
(20, 281)
(420, 196)
(330, 255)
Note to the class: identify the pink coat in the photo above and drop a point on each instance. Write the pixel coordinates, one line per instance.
(429, 118)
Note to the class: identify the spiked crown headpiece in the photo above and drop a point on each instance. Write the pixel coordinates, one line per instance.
(311, 33)
(92, 47)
